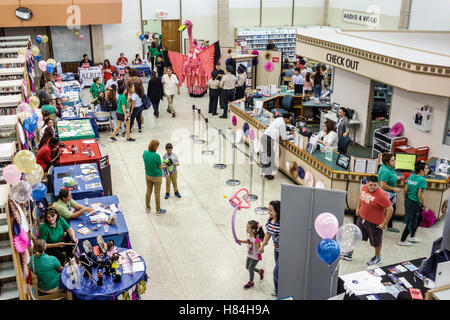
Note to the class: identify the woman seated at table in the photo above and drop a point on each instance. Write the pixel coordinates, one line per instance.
(46, 268)
(328, 136)
(67, 207)
(58, 234)
(46, 156)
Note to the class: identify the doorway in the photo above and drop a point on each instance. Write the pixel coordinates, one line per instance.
(171, 37)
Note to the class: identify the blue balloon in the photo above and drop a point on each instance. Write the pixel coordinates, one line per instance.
(38, 40)
(39, 191)
(38, 57)
(35, 116)
(30, 124)
(328, 250)
(142, 37)
(50, 68)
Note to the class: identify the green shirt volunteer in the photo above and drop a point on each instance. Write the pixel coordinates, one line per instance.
(64, 208)
(152, 161)
(53, 235)
(387, 174)
(415, 182)
(154, 52)
(120, 102)
(46, 267)
(94, 90)
(48, 107)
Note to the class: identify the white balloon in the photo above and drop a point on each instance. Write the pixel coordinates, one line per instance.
(348, 237)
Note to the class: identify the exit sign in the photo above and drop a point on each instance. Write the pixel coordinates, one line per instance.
(161, 14)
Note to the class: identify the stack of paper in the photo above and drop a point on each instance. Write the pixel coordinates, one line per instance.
(98, 218)
(361, 283)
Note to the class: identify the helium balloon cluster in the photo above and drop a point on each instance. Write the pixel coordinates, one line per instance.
(140, 36)
(77, 34)
(348, 237)
(48, 65)
(29, 114)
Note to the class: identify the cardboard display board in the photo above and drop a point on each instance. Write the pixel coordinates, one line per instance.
(264, 77)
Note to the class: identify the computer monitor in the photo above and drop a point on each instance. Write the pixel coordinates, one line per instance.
(405, 161)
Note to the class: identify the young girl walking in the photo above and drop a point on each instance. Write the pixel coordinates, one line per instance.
(255, 234)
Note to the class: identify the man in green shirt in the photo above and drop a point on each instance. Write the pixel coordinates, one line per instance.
(46, 268)
(65, 203)
(48, 107)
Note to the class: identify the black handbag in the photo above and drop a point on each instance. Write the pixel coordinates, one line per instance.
(146, 103)
(429, 266)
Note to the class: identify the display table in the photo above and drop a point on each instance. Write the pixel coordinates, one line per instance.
(75, 129)
(89, 116)
(109, 290)
(80, 151)
(408, 275)
(83, 189)
(330, 174)
(118, 233)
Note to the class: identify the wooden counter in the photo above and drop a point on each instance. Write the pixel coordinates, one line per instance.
(333, 176)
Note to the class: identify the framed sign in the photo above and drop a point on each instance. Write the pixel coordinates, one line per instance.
(88, 74)
(343, 161)
(275, 59)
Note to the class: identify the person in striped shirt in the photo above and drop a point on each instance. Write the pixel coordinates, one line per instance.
(273, 231)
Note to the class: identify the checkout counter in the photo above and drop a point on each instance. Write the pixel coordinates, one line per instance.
(328, 172)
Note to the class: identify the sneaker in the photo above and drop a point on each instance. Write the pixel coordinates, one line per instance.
(404, 243)
(347, 256)
(274, 294)
(413, 239)
(393, 229)
(131, 139)
(139, 130)
(147, 210)
(374, 261)
(161, 212)
(177, 194)
(123, 134)
(173, 115)
(113, 138)
(166, 196)
(261, 273)
(248, 285)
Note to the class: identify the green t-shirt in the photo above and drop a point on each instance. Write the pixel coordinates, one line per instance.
(120, 102)
(152, 161)
(95, 90)
(48, 107)
(53, 235)
(387, 174)
(154, 52)
(64, 208)
(45, 268)
(415, 183)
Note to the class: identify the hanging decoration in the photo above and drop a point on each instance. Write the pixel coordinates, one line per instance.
(268, 66)
(236, 203)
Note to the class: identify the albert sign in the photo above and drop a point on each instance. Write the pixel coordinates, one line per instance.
(88, 74)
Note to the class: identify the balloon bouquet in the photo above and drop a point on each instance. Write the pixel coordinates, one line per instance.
(236, 203)
(30, 115)
(348, 237)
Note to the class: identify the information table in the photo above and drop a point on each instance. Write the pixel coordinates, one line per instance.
(80, 151)
(118, 233)
(88, 183)
(75, 129)
(109, 290)
(412, 279)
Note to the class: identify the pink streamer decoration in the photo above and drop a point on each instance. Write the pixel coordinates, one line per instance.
(236, 202)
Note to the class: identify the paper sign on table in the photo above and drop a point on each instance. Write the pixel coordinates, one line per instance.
(138, 266)
(405, 282)
(379, 272)
(84, 231)
(88, 141)
(401, 268)
(114, 208)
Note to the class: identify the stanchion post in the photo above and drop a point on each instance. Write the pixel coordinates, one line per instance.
(233, 182)
(207, 151)
(262, 209)
(193, 136)
(199, 139)
(251, 196)
(220, 165)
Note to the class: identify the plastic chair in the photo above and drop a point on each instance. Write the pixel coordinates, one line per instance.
(286, 105)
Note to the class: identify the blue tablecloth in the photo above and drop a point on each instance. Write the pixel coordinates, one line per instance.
(142, 69)
(118, 233)
(91, 117)
(80, 192)
(90, 291)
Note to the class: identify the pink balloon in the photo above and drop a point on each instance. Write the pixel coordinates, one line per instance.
(11, 174)
(39, 114)
(326, 225)
(24, 107)
(43, 65)
(81, 36)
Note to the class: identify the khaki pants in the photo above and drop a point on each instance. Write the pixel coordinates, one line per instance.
(171, 178)
(170, 102)
(153, 182)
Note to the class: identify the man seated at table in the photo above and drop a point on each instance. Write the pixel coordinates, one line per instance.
(45, 157)
(67, 207)
(122, 59)
(86, 62)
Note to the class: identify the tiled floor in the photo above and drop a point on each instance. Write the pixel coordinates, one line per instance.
(190, 251)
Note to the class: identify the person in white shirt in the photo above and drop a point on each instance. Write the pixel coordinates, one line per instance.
(269, 142)
(170, 86)
(112, 81)
(47, 123)
(328, 136)
(297, 82)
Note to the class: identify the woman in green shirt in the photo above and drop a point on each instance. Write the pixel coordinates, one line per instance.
(153, 53)
(46, 268)
(122, 114)
(57, 233)
(388, 182)
(96, 87)
(414, 203)
(153, 176)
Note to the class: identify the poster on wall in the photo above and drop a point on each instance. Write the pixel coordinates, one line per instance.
(371, 19)
(88, 74)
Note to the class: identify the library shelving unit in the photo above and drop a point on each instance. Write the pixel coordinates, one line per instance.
(6, 53)
(258, 38)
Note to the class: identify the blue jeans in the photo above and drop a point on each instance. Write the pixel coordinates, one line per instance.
(275, 271)
(318, 91)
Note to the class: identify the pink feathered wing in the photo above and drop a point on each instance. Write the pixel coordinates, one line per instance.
(177, 60)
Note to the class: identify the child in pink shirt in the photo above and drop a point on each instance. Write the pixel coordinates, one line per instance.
(308, 85)
(255, 234)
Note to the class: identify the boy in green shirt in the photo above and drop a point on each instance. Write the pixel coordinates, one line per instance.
(122, 114)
